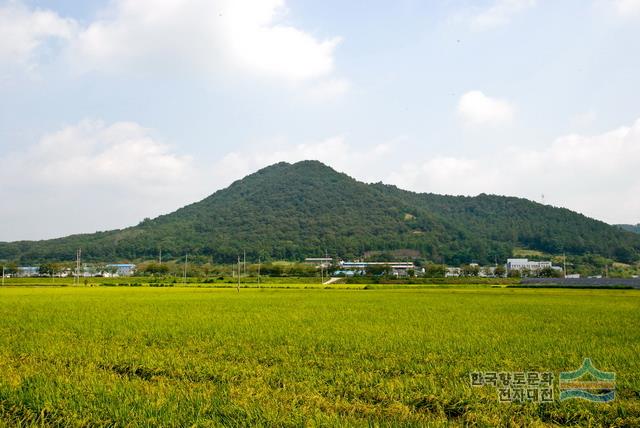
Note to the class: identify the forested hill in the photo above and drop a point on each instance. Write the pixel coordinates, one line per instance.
(630, 227)
(291, 211)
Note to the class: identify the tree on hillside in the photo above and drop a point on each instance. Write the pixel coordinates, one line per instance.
(470, 270)
(10, 268)
(272, 269)
(549, 273)
(285, 216)
(155, 269)
(624, 255)
(514, 273)
(378, 270)
(433, 270)
(49, 269)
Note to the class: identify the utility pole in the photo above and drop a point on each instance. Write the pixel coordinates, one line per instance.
(160, 256)
(326, 257)
(564, 264)
(259, 271)
(3, 275)
(238, 289)
(78, 256)
(184, 278)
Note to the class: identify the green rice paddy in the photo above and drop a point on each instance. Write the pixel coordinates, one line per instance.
(145, 356)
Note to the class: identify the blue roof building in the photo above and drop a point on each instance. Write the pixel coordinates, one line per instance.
(123, 269)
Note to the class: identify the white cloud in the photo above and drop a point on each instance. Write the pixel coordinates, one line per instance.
(124, 154)
(92, 176)
(333, 151)
(211, 36)
(627, 8)
(583, 120)
(477, 108)
(444, 174)
(595, 175)
(500, 13)
(207, 39)
(327, 90)
(25, 33)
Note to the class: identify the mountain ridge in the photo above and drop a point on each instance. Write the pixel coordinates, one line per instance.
(634, 228)
(292, 211)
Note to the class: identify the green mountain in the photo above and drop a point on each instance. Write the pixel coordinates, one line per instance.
(630, 227)
(291, 211)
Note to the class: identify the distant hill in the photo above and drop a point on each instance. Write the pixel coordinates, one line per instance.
(630, 227)
(291, 211)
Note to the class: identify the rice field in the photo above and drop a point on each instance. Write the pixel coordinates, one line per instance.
(145, 356)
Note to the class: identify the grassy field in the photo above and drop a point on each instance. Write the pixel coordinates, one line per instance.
(167, 281)
(130, 356)
(255, 282)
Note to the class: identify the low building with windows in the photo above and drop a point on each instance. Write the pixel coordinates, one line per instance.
(28, 271)
(452, 272)
(530, 265)
(397, 268)
(323, 262)
(122, 269)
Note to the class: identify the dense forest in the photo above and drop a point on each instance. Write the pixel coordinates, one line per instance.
(630, 227)
(292, 211)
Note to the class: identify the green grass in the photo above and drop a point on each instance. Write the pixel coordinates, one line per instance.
(226, 281)
(121, 356)
(526, 252)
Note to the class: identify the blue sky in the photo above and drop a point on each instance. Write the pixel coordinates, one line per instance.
(111, 111)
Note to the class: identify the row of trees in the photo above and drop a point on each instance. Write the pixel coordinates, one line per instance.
(60, 268)
(276, 269)
(10, 268)
(433, 270)
(201, 266)
(205, 270)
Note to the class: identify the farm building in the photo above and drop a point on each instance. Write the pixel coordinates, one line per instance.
(323, 262)
(397, 268)
(28, 271)
(533, 266)
(122, 269)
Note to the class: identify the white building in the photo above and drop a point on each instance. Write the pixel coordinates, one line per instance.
(323, 262)
(397, 268)
(122, 269)
(28, 271)
(452, 272)
(533, 266)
